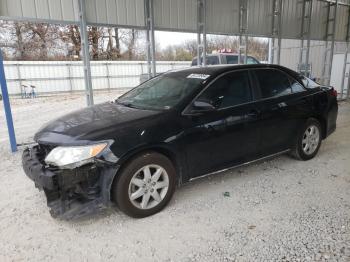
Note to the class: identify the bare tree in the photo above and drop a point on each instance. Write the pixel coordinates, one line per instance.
(113, 51)
(43, 37)
(12, 39)
(131, 44)
(93, 39)
(73, 34)
(117, 41)
(19, 40)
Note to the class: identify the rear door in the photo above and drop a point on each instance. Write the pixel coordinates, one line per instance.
(277, 106)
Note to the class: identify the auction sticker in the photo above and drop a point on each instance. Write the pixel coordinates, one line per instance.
(199, 76)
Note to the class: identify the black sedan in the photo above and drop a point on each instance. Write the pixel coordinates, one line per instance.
(176, 127)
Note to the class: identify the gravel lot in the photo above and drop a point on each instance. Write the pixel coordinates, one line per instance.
(282, 209)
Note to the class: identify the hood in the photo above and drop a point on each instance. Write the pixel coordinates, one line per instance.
(91, 123)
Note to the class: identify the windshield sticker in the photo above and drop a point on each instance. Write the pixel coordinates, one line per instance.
(199, 76)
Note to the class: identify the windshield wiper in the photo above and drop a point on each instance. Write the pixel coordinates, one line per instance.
(127, 104)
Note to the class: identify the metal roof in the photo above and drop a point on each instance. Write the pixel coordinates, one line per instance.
(181, 15)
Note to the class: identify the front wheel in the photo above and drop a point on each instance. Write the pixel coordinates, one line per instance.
(145, 185)
(309, 140)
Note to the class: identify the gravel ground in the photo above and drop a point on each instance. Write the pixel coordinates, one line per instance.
(278, 210)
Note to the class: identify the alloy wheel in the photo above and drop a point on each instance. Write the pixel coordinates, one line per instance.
(148, 186)
(311, 139)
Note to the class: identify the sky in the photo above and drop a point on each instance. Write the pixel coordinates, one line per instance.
(165, 39)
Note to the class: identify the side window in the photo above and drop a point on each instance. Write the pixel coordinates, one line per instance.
(229, 90)
(273, 83)
(309, 83)
(232, 59)
(296, 86)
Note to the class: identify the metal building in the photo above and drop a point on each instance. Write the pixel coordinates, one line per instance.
(304, 21)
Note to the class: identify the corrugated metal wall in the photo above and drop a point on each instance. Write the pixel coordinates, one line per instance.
(227, 22)
(260, 17)
(65, 76)
(181, 15)
(290, 54)
(118, 12)
(63, 10)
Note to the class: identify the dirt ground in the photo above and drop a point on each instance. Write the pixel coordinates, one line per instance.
(281, 210)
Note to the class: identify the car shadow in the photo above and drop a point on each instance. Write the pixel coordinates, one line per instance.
(195, 187)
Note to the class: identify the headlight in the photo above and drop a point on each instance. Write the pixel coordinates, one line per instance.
(73, 156)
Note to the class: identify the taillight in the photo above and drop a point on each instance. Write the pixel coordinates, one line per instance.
(334, 92)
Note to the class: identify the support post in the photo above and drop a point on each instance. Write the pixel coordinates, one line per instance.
(332, 43)
(346, 73)
(330, 39)
(86, 53)
(201, 33)
(150, 38)
(153, 42)
(204, 31)
(269, 59)
(7, 106)
(276, 31)
(348, 89)
(148, 42)
(279, 41)
(199, 49)
(243, 27)
(304, 67)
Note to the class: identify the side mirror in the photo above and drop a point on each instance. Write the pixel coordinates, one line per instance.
(200, 105)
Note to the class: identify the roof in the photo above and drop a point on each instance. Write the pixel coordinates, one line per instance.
(222, 16)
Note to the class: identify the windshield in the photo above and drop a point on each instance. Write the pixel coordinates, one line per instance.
(309, 83)
(163, 92)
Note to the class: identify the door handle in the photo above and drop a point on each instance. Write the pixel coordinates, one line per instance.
(253, 113)
(279, 106)
(282, 104)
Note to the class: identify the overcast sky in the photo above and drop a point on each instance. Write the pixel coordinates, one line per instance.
(172, 38)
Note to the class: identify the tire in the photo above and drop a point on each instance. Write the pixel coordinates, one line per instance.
(137, 182)
(306, 146)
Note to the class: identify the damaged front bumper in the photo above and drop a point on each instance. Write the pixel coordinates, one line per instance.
(70, 193)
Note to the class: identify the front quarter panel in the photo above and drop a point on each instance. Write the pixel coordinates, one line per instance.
(160, 133)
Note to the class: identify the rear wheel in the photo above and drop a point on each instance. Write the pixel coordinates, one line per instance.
(308, 141)
(145, 185)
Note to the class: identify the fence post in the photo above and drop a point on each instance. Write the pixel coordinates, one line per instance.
(70, 76)
(7, 106)
(108, 77)
(19, 77)
(141, 65)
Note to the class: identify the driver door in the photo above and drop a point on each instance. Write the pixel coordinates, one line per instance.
(227, 135)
